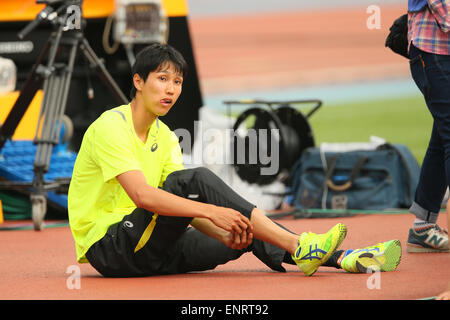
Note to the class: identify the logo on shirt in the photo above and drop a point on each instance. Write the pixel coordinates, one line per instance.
(154, 147)
(128, 224)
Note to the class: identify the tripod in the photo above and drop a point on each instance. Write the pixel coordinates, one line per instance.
(54, 79)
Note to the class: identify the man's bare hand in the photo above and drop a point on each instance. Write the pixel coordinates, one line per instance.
(243, 240)
(230, 220)
(239, 241)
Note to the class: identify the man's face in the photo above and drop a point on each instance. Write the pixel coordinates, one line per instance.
(161, 89)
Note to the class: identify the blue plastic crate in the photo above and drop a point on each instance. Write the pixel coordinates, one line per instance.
(17, 163)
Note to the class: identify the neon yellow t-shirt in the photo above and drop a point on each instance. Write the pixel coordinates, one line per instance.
(110, 146)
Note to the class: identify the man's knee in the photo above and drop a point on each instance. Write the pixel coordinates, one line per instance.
(202, 174)
(184, 181)
(188, 174)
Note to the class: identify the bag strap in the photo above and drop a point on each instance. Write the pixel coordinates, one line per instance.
(349, 183)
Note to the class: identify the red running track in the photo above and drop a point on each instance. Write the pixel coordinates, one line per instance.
(240, 53)
(33, 265)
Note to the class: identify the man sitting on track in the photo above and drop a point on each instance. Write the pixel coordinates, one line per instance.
(131, 201)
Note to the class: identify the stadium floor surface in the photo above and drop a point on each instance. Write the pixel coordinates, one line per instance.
(34, 265)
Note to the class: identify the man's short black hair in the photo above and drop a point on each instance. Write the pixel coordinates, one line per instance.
(154, 57)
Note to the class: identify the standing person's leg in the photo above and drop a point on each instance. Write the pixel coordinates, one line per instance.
(447, 211)
(431, 74)
(446, 294)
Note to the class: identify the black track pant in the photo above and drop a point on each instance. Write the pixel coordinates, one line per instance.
(145, 244)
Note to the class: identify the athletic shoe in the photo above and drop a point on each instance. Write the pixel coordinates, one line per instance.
(383, 256)
(432, 239)
(315, 249)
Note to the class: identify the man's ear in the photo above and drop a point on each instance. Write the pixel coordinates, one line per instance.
(138, 82)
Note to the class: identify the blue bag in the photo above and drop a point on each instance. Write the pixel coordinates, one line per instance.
(383, 178)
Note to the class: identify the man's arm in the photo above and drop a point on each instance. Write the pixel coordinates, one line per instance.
(165, 203)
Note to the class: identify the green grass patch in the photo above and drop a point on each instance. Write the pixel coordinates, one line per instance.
(402, 120)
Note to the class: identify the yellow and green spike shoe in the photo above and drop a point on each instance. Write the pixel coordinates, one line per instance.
(315, 249)
(383, 256)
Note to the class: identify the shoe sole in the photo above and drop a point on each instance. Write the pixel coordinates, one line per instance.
(342, 231)
(412, 248)
(392, 255)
